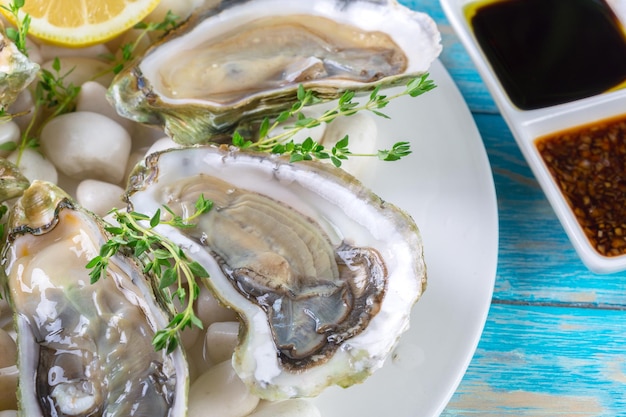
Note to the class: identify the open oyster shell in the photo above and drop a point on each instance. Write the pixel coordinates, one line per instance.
(84, 349)
(244, 59)
(322, 272)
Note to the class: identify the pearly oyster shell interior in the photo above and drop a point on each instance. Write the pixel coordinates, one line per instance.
(245, 59)
(321, 271)
(84, 349)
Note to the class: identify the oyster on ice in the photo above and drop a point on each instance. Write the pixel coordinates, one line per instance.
(244, 59)
(322, 272)
(84, 349)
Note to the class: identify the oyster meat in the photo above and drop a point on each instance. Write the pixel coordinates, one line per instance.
(244, 59)
(84, 349)
(322, 272)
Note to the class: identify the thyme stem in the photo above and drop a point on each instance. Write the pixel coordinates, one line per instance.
(282, 143)
(162, 259)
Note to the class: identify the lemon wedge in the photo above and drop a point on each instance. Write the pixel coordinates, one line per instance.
(77, 23)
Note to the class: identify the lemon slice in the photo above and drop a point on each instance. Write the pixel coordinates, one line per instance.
(81, 22)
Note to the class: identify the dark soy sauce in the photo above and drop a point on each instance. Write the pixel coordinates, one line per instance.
(548, 52)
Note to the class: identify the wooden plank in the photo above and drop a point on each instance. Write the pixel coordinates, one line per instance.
(540, 361)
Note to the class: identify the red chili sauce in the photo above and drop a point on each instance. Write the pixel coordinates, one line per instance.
(589, 165)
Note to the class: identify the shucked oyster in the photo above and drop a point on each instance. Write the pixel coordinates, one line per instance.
(322, 272)
(244, 59)
(84, 349)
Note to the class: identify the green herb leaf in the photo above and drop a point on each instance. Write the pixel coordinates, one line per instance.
(380, 114)
(118, 68)
(56, 64)
(12, 34)
(301, 94)
(163, 259)
(127, 51)
(168, 277)
(196, 321)
(342, 143)
(141, 247)
(198, 270)
(264, 128)
(156, 219)
(282, 117)
(203, 205)
(8, 146)
(283, 143)
(139, 216)
(399, 150)
(295, 157)
(18, 35)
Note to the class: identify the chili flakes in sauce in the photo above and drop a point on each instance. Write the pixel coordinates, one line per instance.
(589, 165)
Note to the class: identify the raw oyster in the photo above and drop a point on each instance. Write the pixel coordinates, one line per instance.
(16, 71)
(244, 59)
(84, 349)
(322, 272)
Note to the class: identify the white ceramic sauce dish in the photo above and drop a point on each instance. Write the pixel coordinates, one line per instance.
(529, 125)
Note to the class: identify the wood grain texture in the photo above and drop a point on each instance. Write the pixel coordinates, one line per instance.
(456, 60)
(554, 343)
(546, 361)
(537, 263)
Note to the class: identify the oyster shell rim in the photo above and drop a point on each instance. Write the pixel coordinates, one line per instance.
(136, 97)
(60, 200)
(362, 362)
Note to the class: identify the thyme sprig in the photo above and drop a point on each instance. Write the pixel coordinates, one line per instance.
(53, 96)
(282, 143)
(18, 34)
(135, 233)
(162, 258)
(128, 50)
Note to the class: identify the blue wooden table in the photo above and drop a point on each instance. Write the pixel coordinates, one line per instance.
(554, 343)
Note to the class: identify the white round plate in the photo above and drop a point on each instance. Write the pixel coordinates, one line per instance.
(447, 186)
